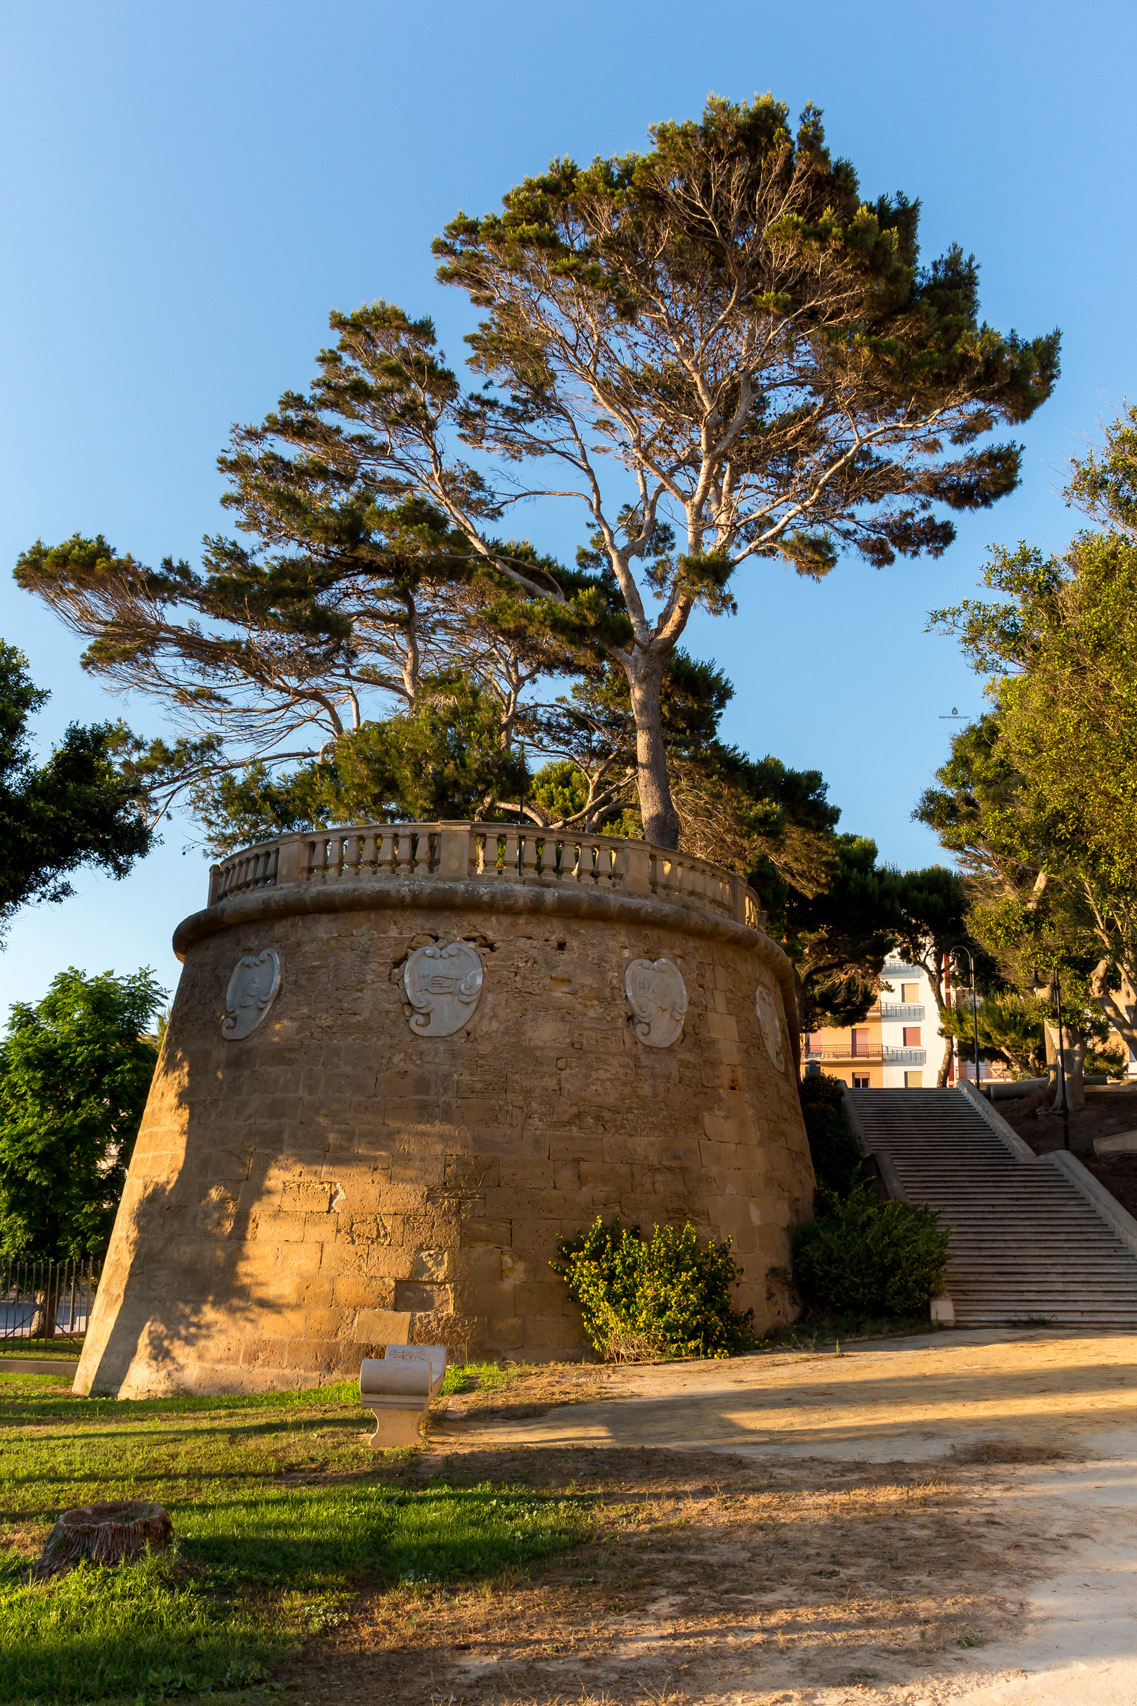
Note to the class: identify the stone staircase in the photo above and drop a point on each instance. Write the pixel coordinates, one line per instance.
(1033, 1238)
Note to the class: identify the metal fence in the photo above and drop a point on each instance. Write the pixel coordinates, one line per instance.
(46, 1302)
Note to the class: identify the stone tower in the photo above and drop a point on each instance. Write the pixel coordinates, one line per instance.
(402, 1061)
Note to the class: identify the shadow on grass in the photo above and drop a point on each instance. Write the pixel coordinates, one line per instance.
(247, 1572)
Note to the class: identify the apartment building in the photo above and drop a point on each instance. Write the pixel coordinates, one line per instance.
(896, 1046)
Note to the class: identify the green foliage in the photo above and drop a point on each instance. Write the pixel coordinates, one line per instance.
(860, 1257)
(1011, 1028)
(283, 1516)
(74, 1074)
(560, 789)
(864, 1256)
(76, 809)
(663, 1297)
(1036, 797)
(833, 1147)
(839, 932)
(445, 759)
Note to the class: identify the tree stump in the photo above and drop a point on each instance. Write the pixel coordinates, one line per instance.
(110, 1533)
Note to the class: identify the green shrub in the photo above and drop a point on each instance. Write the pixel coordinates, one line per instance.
(834, 1150)
(665, 1297)
(864, 1256)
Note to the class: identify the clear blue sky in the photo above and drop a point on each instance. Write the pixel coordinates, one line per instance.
(187, 189)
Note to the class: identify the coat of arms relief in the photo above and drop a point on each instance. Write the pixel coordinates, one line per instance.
(443, 986)
(252, 990)
(657, 997)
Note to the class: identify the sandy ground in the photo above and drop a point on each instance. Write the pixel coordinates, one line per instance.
(950, 1398)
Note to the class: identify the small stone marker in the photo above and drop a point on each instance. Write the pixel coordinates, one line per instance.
(1121, 1143)
(113, 1533)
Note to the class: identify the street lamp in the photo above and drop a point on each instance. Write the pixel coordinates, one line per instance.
(960, 949)
(1062, 1062)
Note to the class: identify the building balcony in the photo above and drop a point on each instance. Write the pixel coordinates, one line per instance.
(904, 1056)
(902, 971)
(913, 1011)
(842, 1051)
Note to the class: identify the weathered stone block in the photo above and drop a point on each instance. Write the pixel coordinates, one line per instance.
(382, 1326)
(505, 1333)
(496, 1232)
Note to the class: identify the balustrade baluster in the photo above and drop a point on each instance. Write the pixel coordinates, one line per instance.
(506, 853)
(510, 855)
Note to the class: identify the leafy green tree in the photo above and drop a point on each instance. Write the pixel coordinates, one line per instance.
(1042, 939)
(75, 1070)
(76, 809)
(1037, 797)
(1012, 1028)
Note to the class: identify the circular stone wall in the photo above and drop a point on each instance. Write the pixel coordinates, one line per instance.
(321, 1173)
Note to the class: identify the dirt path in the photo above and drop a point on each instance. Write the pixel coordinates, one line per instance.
(912, 1399)
(1012, 1399)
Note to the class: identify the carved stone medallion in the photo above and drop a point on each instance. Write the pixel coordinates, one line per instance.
(252, 990)
(657, 997)
(768, 1017)
(443, 986)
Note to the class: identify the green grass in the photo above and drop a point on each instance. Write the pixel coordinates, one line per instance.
(478, 1376)
(282, 1515)
(20, 1349)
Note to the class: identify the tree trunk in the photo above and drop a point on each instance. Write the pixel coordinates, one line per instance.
(660, 819)
(1119, 1007)
(941, 1009)
(1073, 1064)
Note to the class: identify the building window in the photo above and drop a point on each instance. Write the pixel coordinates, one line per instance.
(861, 1080)
(860, 1042)
(912, 1036)
(909, 993)
(913, 1080)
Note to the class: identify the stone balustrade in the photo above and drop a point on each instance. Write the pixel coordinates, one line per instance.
(488, 853)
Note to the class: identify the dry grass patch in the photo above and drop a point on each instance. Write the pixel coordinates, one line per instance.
(1012, 1451)
(513, 1391)
(704, 1579)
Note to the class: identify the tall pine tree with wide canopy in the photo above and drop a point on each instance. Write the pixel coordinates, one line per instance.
(715, 351)
(722, 335)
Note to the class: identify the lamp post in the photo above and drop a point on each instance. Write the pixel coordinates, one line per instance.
(1062, 1063)
(960, 949)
